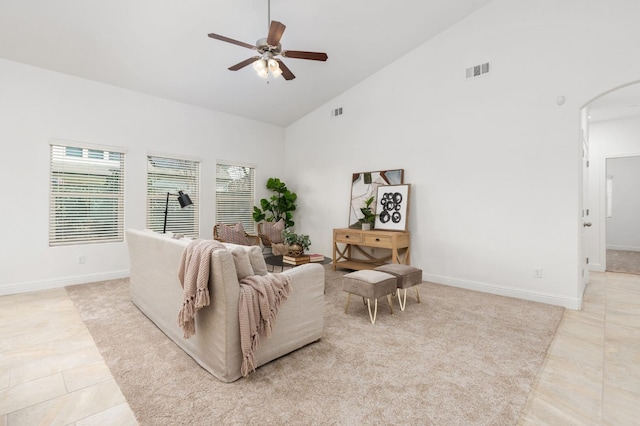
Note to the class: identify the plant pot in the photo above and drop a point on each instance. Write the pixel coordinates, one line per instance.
(295, 250)
(366, 226)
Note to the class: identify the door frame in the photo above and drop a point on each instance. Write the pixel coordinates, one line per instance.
(602, 187)
(583, 200)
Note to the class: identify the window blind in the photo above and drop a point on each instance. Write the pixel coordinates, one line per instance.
(165, 174)
(86, 195)
(235, 193)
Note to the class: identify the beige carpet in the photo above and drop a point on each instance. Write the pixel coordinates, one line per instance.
(458, 358)
(624, 261)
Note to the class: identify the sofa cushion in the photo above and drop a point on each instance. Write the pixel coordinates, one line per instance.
(257, 260)
(233, 234)
(273, 230)
(242, 262)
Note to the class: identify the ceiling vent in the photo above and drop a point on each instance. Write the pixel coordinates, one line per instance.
(478, 70)
(336, 112)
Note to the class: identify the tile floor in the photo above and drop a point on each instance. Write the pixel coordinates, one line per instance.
(51, 373)
(591, 375)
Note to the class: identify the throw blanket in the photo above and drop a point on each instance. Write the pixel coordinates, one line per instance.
(260, 299)
(194, 279)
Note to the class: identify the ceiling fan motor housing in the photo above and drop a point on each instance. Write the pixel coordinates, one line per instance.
(263, 47)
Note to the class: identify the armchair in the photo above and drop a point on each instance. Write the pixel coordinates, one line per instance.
(270, 234)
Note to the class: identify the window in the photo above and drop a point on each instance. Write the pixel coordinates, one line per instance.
(235, 191)
(86, 203)
(170, 175)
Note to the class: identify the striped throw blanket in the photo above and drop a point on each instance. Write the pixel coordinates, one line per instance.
(194, 279)
(258, 305)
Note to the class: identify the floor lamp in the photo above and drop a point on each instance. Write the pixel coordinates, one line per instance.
(184, 201)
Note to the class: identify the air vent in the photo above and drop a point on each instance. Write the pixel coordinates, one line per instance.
(336, 112)
(478, 70)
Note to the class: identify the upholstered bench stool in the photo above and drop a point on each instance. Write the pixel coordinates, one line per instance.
(370, 285)
(406, 276)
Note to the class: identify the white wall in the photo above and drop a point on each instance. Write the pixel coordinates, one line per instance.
(36, 105)
(609, 139)
(623, 227)
(494, 162)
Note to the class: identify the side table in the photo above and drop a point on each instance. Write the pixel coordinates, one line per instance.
(277, 261)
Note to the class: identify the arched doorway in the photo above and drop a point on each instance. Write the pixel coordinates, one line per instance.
(613, 241)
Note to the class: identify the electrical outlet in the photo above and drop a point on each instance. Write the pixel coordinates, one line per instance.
(81, 260)
(537, 273)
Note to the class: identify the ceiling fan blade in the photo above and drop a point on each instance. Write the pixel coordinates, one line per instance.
(244, 63)
(299, 54)
(286, 72)
(275, 33)
(232, 41)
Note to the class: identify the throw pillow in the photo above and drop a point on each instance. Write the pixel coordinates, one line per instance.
(257, 261)
(233, 234)
(243, 265)
(274, 231)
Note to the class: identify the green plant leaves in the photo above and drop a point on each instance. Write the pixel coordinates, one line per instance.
(279, 206)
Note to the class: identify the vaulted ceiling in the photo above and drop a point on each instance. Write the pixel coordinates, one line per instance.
(160, 47)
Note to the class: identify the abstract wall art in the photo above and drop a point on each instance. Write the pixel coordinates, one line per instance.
(365, 185)
(392, 207)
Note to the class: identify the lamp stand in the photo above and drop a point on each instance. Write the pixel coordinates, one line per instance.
(166, 211)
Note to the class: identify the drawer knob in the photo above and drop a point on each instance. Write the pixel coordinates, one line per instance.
(377, 239)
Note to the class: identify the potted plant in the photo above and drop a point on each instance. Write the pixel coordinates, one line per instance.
(368, 216)
(280, 205)
(297, 243)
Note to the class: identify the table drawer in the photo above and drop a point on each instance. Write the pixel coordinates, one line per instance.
(378, 241)
(348, 237)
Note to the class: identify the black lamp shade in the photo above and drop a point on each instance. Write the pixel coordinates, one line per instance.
(184, 199)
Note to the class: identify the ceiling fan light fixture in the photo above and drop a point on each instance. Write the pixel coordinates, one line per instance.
(260, 65)
(274, 67)
(264, 73)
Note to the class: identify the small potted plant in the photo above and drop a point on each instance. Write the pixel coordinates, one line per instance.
(297, 243)
(369, 217)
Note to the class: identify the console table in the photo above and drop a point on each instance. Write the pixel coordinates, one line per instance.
(348, 242)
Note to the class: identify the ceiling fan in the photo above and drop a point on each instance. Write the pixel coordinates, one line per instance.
(268, 49)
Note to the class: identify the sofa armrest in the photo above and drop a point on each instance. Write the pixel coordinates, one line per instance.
(310, 275)
(300, 320)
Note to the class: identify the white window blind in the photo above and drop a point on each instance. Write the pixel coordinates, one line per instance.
(235, 193)
(86, 195)
(170, 175)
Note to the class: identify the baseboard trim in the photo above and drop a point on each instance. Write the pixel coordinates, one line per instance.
(623, 248)
(30, 286)
(534, 296)
(596, 267)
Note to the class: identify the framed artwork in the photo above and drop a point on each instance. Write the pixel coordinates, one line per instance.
(365, 185)
(392, 207)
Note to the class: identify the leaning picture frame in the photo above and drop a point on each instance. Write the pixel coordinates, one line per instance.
(392, 207)
(365, 185)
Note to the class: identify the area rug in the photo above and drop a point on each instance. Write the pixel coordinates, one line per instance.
(458, 358)
(624, 261)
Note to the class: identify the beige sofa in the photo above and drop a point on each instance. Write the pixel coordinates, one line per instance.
(156, 291)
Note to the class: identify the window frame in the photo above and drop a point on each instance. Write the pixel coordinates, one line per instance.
(89, 189)
(172, 173)
(228, 215)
